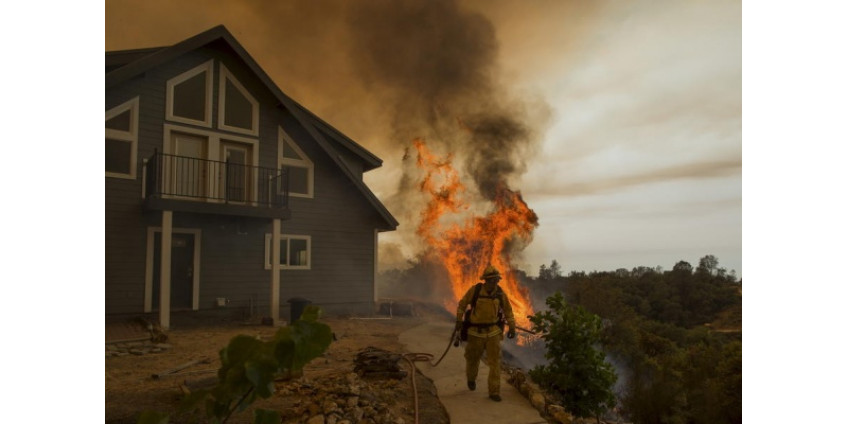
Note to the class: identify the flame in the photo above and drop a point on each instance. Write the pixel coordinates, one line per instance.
(467, 245)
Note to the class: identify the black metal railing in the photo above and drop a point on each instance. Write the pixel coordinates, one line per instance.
(187, 178)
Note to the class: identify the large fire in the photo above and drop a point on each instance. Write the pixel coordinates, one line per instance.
(466, 244)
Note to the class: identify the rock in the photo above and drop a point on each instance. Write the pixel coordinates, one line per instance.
(318, 419)
(538, 401)
(559, 414)
(524, 388)
(357, 414)
(352, 401)
(518, 378)
(313, 409)
(329, 407)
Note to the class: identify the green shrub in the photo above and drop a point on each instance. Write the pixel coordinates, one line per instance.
(577, 373)
(249, 367)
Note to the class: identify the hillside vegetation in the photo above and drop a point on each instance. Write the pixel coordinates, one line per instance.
(675, 336)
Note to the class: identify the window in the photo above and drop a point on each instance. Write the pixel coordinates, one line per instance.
(297, 165)
(122, 140)
(295, 251)
(189, 96)
(238, 111)
(211, 166)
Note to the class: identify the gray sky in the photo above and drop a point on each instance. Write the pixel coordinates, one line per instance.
(630, 113)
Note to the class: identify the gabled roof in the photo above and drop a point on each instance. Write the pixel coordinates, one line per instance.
(130, 63)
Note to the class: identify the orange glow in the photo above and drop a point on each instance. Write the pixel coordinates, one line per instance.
(470, 243)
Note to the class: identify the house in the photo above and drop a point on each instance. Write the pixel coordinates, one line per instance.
(222, 192)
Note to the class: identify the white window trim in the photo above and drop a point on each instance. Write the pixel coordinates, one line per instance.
(283, 137)
(288, 237)
(223, 76)
(148, 274)
(213, 148)
(169, 100)
(130, 136)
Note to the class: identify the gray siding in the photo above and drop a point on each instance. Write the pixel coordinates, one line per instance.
(339, 219)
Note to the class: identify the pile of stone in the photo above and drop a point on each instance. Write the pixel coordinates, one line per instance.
(372, 362)
(141, 347)
(342, 399)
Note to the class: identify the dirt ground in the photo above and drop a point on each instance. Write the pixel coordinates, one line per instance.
(131, 388)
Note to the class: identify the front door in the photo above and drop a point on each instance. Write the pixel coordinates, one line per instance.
(182, 270)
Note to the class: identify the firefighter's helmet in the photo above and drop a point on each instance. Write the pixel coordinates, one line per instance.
(490, 272)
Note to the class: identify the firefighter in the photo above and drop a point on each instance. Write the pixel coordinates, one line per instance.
(485, 328)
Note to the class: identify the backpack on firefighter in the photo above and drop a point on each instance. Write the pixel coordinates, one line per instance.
(466, 321)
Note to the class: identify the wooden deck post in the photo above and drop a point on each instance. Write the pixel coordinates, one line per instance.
(165, 271)
(275, 271)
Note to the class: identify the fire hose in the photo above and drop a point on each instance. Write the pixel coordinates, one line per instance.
(411, 358)
(421, 357)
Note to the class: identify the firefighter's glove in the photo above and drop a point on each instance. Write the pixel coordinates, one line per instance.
(511, 333)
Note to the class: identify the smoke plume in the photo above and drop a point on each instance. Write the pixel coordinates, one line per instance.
(436, 65)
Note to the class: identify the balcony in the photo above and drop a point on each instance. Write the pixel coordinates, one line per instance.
(186, 184)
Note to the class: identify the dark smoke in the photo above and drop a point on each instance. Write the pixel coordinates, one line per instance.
(436, 65)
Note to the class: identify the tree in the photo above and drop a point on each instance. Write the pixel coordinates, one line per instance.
(708, 264)
(555, 269)
(682, 267)
(544, 274)
(577, 373)
(550, 273)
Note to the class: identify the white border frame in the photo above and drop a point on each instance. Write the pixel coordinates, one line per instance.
(213, 151)
(223, 75)
(287, 237)
(283, 137)
(148, 268)
(169, 96)
(130, 136)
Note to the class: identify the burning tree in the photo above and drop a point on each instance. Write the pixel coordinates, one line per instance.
(465, 244)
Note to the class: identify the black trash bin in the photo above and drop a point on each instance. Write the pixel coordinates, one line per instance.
(297, 306)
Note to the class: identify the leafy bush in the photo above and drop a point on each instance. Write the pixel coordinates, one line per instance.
(576, 373)
(249, 367)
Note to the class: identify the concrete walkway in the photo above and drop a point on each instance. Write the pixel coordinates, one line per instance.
(463, 405)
